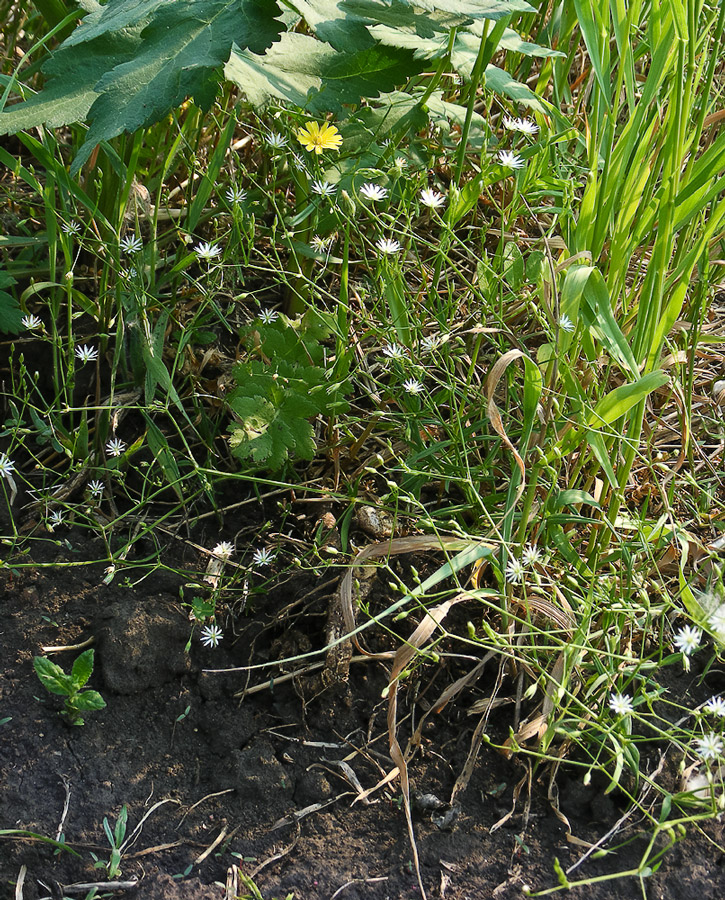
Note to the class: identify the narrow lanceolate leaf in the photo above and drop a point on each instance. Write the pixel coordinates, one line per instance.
(620, 400)
(313, 75)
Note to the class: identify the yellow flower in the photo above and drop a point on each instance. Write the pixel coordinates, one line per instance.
(319, 137)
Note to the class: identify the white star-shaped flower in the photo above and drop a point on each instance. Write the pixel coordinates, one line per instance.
(86, 354)
(223, 550)
(429, 343)
(211, 635)
(323, 188)
(527, 126)
(373, 192)
(411, 386)
(709, 746)
(267, 316)
(131, 244)
(687, 640)
(115, 447)
(299, 163)
(432, 199)
(7, 466)
(208, 252)
(510, 160)
(388, 246)
(31, 322)
(262, 557)
(566, 324)
(276, 141)
(55, 518)
(96, 488)
(393, 351)
(514, 573)
(235, 194)
(321, 244)
(621, 704)
(715, 706)
(531, 555)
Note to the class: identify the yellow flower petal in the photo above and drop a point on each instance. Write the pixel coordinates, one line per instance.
(318, 138)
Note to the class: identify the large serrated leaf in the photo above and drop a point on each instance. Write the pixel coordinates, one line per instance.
(71, 91)
(182, 47)
(395, 113)
(139, 60)
(113, 18)
(333, 22)
(403, 15)
(501, 82)
(477, 9)
(313, 75)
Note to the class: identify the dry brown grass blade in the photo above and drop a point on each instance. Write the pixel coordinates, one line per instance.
(536, 727)
(404, 655)
(517, 791)
(393, 547)
(533, 603)
(494, 414)
(467, 771)
(391, 776)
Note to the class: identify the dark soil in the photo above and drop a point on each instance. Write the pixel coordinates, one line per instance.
(232, 776)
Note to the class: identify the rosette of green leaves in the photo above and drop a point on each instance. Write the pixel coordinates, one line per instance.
(281, 388)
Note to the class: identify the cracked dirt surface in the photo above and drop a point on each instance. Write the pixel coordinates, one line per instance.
(231, 779)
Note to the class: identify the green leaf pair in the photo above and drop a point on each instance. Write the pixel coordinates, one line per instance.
(56, 681)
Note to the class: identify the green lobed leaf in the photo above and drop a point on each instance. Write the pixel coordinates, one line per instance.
(278, 395)
(270, 434)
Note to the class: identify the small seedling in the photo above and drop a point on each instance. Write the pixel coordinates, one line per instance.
(115, 839)
(55, 680)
